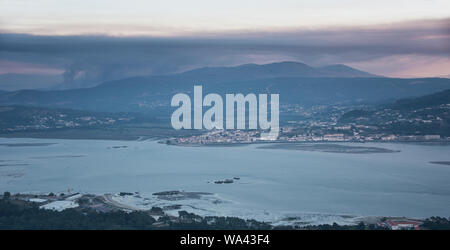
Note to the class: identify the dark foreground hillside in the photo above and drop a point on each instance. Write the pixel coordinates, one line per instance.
(17, 215)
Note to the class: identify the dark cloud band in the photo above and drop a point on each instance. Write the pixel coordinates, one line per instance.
(93, 59)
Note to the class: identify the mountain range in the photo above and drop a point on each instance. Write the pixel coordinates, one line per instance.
(16, 81)
(297, 83)
(272, 70)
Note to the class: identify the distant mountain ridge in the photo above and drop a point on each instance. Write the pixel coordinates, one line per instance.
(272, 70)
(341, 70)
(297, 83)
(14, 82)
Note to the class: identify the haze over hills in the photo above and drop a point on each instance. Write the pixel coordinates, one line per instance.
(272, 70)
(297, 83)
(341, 70)
(11, 81)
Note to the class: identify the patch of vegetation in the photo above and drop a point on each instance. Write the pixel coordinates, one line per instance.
(436, 223)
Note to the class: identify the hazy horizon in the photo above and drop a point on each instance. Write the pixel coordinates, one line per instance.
(110, 40)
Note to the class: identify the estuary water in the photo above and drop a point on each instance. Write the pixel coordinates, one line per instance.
(268, 184)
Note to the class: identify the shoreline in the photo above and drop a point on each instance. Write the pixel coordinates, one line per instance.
(116, 135)
(106, 203)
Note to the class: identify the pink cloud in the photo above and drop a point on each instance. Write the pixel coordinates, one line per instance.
(27, 68)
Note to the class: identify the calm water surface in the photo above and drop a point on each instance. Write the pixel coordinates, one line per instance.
(394, 184)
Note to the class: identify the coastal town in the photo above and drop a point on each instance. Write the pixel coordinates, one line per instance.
(23, 119)
(253, 136)
(340, 123)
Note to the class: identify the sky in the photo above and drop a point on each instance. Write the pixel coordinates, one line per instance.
(87, 42)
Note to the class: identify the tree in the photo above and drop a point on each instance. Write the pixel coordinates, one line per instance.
(6, 195)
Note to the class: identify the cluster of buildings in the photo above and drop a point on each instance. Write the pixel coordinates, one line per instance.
(341, 137)
(219, 137)
(289, 134)
(59, 121)
(400, 224)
